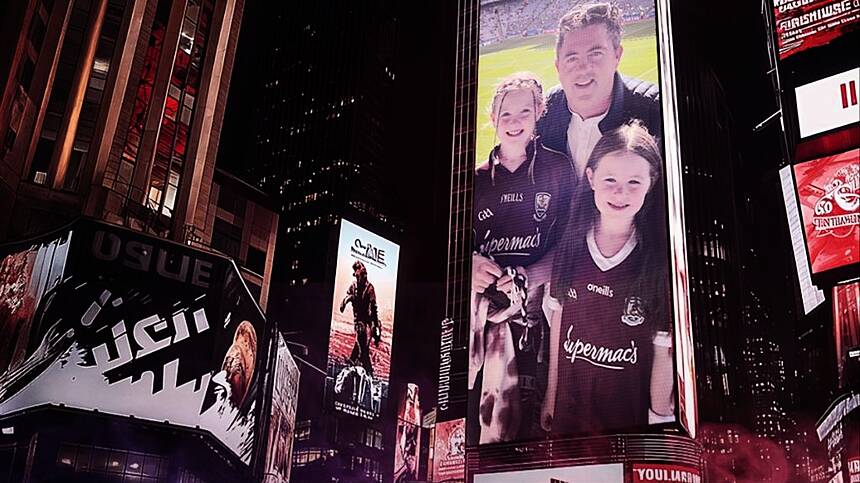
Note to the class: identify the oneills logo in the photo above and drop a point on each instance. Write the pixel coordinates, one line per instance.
(836, 211)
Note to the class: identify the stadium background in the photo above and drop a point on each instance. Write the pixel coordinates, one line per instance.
(520, 35)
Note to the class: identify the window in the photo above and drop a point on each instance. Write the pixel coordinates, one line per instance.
(226, 238)
(112, 463)
(303, 430)
(372, 438)
(256, 260)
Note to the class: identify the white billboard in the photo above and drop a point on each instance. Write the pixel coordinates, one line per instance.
(828, 103)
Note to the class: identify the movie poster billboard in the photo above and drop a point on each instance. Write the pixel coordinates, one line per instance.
(608, 473)
(449, 456)
(282, 419)
(804, 24)
(106, 319)
(362, 322)
(408, 443)
(571, 324)
(846, 330)
(828, 189)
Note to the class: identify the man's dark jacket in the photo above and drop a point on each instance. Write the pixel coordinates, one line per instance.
(631, 99)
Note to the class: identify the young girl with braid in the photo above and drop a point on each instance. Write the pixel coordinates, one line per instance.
(610, 345)
(521, 201)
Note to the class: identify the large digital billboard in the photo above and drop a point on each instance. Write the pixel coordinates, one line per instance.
(846, 331)
(282, 418)
(408, 438)
(829, 192)
(117, 321)
(571, 324)
(828, 103)
(608, 473)
(449, 455)
(362, 322)
(804, 24)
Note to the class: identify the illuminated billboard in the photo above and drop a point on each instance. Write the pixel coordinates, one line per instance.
(829, 192)
(362, 322)
(846, 330)
(829, 103)
(107, 319)
(282, 418)
(571, 324)
(802, 25)
(609, 473)
(661, 473)
(408, 443)
(449, 456)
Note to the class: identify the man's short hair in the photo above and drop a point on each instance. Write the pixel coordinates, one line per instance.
(591, 14)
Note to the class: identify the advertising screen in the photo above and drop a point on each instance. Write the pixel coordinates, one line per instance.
(571, 327)
(657, 473)
(282, 420)
(802, 25)
(828, 103)
(829, 192)
(610, 473)
(408, 442)
(449, 455)
(846, 330)
(108, 319)
(362, 322)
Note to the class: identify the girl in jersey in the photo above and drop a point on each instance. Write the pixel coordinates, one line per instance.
(610, 346)
(521, 200)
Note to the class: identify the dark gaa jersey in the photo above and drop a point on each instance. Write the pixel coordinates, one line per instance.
(606, 347)
(518, 216)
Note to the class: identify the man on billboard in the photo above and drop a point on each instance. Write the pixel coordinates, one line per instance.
(593, 98)
(364, 311)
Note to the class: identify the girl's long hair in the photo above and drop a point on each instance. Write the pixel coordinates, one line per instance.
(652, 280)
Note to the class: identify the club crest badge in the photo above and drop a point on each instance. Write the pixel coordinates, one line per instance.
(541, 205)
(836, 210)
(633, 313)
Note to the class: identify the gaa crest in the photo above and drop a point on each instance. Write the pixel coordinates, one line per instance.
(633, 314)
(836, 211)
(541, 205)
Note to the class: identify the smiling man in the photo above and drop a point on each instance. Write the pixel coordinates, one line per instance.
(593, 97)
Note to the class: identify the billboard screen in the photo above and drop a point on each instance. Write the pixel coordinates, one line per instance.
(282, 419)
(571, 327)
(829, 192)
(124, 323)
(408, 442)
(846, 330)
(802, 25)
(609, 473)
(362, 322)
(658, 473)
(829, 103)
(449, 455)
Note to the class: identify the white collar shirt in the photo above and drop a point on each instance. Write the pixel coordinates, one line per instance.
(582, 136)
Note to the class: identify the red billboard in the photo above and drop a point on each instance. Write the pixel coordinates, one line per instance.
(828, 189)
(846, 325)
(804, 24)
(449, 455)
(362, 322)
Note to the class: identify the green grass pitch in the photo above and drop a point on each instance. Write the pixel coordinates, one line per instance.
(537, 55)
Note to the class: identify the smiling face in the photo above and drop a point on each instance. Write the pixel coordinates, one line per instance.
(620, 182)
(586, 62)
(515, 118)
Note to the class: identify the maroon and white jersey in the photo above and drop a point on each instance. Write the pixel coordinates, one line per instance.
(606, 347)
(518, 216)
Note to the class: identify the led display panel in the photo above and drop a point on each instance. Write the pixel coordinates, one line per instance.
(846, 331)
(362, 322)
(804, 24)
(828, 103)
(828, 189)
(449, 456)
(408, 443)
(282, 418)
(610, 473)
(108, 319)
(571, 323)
